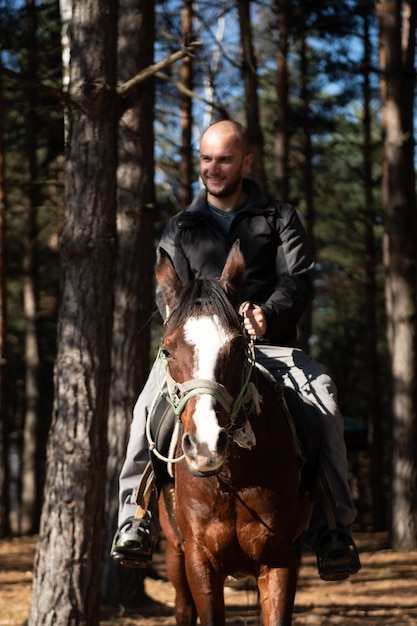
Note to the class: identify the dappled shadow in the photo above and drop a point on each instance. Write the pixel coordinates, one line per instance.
(383, 593)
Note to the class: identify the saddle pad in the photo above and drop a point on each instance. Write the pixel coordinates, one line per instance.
(307, 420)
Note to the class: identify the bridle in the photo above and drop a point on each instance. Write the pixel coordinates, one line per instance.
(180, 393)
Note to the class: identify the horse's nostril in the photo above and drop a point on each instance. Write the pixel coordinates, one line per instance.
(222, 441)
(187, 443)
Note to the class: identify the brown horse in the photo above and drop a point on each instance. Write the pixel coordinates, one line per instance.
(238, 504)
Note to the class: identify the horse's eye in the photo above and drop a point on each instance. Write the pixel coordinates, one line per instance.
(167, 354)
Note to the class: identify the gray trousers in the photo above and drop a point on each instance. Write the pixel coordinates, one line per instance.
(290, 366)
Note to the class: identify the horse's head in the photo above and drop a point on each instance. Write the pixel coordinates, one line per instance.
(204, 348)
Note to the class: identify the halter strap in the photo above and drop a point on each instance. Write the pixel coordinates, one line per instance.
(180, 393)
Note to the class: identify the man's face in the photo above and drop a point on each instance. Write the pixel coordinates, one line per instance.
(222, 163)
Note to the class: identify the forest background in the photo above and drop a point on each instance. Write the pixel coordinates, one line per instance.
(101, 107)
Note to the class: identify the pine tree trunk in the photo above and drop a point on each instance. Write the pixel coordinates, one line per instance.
(185, 193)
(134, 274)
(376, 413)
(400, 236)
(250, 79)
(4, 482)
(29, 512)
(308, 189)
(66, 586)
(281, 126)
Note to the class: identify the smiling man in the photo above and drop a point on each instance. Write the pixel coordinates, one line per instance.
(223, 165)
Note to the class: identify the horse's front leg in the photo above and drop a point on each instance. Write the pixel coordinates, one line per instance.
(277, 586)
(206, 587)
(185, 610)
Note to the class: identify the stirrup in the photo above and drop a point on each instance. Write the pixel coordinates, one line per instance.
(133, 543)
(337, 555)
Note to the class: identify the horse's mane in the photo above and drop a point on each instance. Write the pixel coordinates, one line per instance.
(204, 297)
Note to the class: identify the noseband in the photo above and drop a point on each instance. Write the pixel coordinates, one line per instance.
(180, 393)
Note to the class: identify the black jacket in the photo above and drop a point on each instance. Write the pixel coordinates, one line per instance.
(275, 247)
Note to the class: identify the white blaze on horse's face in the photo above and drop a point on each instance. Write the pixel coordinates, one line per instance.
(207, 337)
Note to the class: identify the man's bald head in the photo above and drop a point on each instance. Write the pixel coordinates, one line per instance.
(230, 127)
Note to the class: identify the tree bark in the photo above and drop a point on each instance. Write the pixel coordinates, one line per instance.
(29, 514)
(134, 274)
(4, 474)
(376, 413)
(400, 236)
(308, 178)
(281, 130)
(66, 586)
(250, 79)
(185, 194)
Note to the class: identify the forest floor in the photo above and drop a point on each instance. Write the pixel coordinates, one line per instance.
(383, 593)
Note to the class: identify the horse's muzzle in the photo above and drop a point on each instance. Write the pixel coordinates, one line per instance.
(200, 459)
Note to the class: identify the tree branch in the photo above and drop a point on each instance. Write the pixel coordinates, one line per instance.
(193, 94)
(122, 91)
(187, 50)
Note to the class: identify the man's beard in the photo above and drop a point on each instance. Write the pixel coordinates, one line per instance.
(228, 190)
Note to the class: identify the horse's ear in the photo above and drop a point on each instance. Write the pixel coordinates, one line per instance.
(170, 285)
(232, 276)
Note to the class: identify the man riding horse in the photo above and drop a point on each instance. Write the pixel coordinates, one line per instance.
(276, 291)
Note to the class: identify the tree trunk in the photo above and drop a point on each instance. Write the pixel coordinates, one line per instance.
(308, 189)
(185, 194)
(250, 79)
(213, 69)
(281, 131)
(134, 274)
(376, 414)
(4, 477)
(400, 236)
(66, 586)
(29, 512)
